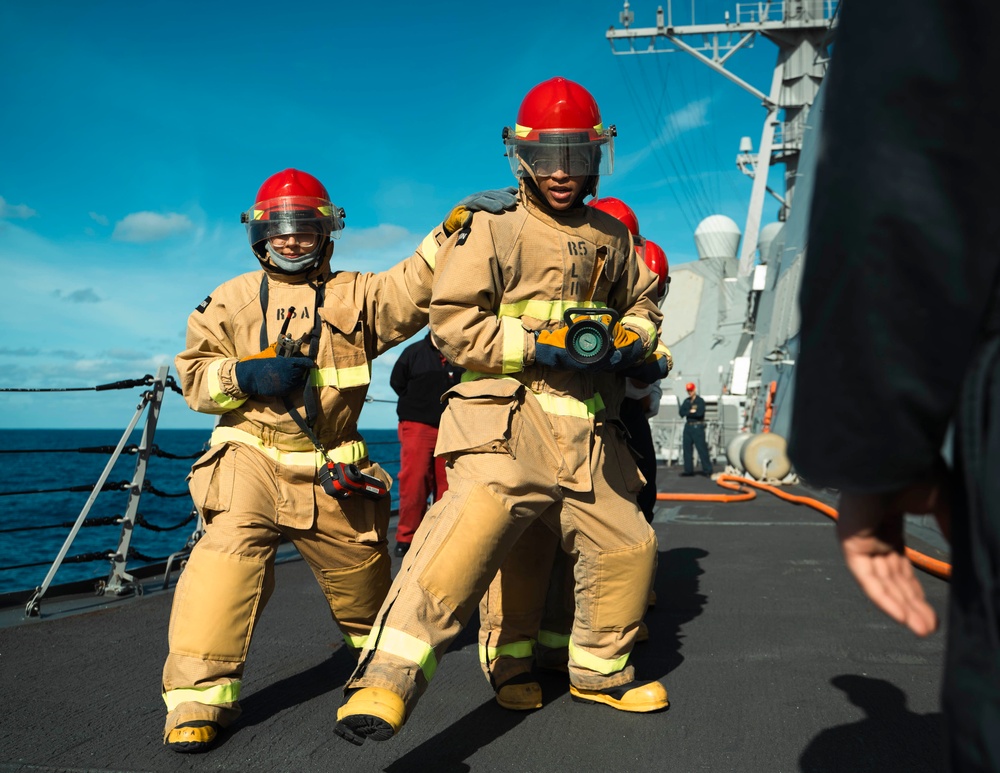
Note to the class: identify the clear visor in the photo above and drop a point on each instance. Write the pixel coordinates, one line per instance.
(279, 218)
(552, 156)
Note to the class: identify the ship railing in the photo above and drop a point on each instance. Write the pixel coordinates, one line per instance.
(120, 581)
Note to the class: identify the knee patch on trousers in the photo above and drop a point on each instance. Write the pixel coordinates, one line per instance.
(622, 586)
(459, 573)
(356, 593)
(215, 605)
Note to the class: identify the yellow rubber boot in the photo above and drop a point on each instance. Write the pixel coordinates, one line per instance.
(370, 712)
(198, 735)
(640, 697)
(522, 693)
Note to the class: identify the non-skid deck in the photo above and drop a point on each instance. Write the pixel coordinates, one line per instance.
(773, 659)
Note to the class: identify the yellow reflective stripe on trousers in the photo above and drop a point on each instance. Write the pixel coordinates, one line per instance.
(341, 378)
(429, 249)
(513, 344)
(552, 310)
(210, 696)
(356, 642)
(407, 647)
(516, 649)
(593, 663)
(553, 640)
(215, 391)
(348, 454)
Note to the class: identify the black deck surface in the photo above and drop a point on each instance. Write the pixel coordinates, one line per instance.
(774, 662)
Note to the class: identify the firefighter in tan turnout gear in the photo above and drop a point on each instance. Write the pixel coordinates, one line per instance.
(526, 616)
(525, 433)
(283, 357)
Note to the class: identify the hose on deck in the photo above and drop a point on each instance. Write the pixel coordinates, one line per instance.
(736, 483)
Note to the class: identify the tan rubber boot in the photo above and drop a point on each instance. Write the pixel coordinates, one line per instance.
(370, 712)
(638, 697)
(198, 735)
(522, 693)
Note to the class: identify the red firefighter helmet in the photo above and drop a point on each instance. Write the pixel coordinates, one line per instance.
(292, 202)
(559, 126)
(619, 209)
(656, 261)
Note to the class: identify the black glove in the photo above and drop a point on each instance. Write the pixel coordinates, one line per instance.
(628, 348)
(495, 201)
(652, 369)
(272, 376)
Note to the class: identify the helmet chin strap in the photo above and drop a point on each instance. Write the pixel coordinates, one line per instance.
(296, 266)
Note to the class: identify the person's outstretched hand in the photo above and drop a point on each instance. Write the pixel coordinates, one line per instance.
(870, 530)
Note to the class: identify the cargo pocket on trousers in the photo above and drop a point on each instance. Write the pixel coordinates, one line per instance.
(355, 593)
(211, 480)
(616, 445)
(619, 573)
(370, 517)
(479, 418)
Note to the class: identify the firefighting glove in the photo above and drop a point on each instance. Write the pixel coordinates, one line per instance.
(551, 351)
(653, 368)
(628, 348)
(272, 376)
(495, 201)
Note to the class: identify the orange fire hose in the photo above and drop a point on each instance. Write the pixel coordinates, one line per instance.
(735, 483)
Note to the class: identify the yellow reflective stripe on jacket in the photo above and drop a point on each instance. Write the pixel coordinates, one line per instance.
(341, 378)
(645, 326)
(348, 454)
(593, 663)
(215, 388)
(553, 640)
(211, 696)
(513, 344)
(552, 310)
(562, 405)
(429, 249)
(516, 649)
(557, 405)
(405, 646)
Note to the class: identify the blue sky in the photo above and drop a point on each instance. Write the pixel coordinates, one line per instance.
(135, 133)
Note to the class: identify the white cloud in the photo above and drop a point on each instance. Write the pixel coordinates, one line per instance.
(691, 116)
(97, 218)
(15, 211)
(374, 249)
(150, 227)
(85, 295)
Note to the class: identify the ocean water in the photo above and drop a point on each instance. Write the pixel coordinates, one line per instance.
(37, 512)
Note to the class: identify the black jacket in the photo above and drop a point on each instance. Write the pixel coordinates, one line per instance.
(420, 376)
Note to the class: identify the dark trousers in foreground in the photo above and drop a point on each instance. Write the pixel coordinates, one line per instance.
(971, 694)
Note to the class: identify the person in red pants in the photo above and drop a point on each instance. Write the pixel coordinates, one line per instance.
(420, 376)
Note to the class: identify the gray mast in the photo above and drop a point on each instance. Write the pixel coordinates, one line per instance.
(800, 30)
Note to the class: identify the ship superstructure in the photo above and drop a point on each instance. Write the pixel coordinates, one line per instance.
(731, 316)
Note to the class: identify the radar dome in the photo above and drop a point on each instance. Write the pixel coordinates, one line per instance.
(767, 236)
(717, 236)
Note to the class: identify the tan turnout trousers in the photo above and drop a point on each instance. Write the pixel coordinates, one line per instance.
(230, 575)
(510, 481)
